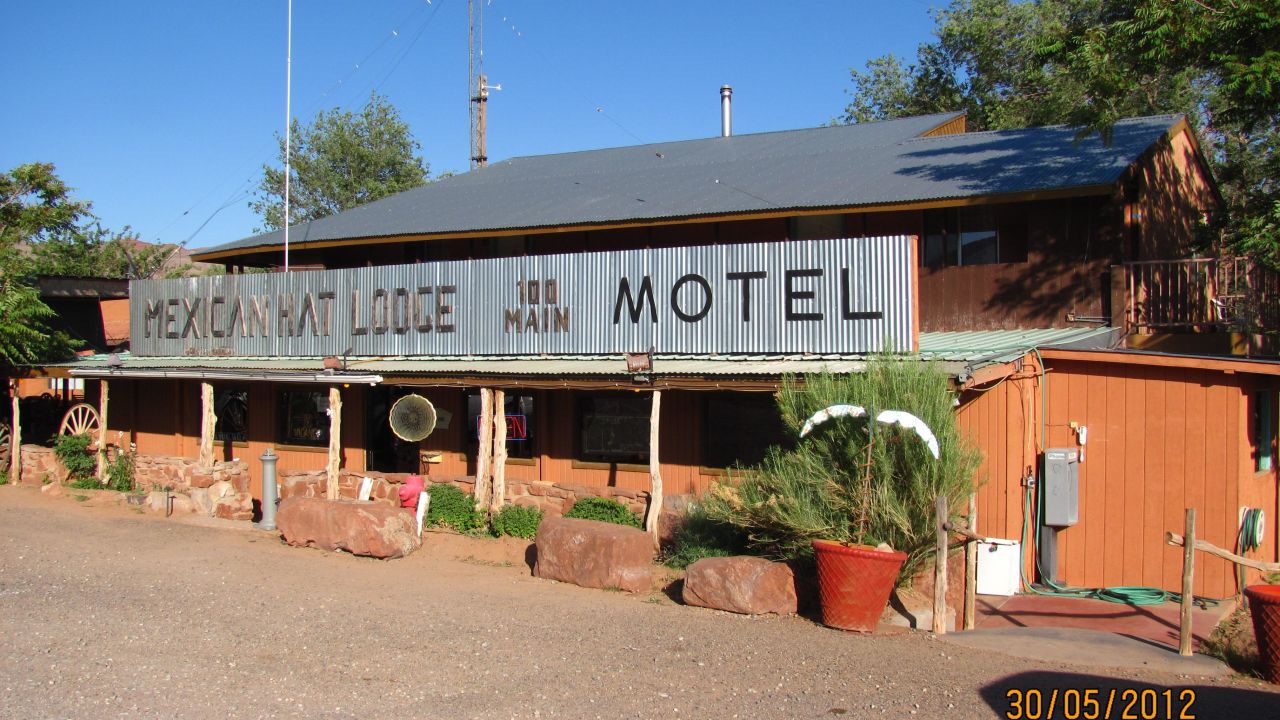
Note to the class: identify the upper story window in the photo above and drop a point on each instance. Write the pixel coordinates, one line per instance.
(817, 227)
(963, 236)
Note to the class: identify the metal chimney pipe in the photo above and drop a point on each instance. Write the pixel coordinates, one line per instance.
(726, 111)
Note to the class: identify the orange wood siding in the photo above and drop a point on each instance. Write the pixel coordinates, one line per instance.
(1160, 440)
(1175, 192)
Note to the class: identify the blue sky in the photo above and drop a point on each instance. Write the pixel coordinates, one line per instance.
(162, 113)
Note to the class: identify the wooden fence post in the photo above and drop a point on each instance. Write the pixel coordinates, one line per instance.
(940, 570)
(971, 566)
(1188, 575)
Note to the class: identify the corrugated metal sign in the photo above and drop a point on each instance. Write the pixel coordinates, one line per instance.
(827, 296)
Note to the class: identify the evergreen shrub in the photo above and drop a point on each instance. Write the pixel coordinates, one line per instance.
(854, 480)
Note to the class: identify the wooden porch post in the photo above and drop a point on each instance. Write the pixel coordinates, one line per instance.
(208, 422)
(499, 488)
(335, 441)
(101, 471)
(484, 455)
(15, 437)
(655, 468)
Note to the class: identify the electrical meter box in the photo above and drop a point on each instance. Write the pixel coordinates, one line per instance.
(1061, 487)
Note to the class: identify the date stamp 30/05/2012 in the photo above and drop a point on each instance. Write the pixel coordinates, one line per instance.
(1100, 704)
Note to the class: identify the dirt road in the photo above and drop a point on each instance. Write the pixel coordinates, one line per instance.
(109, 613)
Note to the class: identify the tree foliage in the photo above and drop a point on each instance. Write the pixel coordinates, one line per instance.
(36, 207)
(339, 161)
(1014, 63)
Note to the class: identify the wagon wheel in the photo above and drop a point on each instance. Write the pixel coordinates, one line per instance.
(6, 437)
(80, 419)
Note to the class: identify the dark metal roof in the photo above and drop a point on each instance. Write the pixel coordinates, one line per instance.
(827, 167)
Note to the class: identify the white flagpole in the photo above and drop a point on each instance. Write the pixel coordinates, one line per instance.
(288, 138)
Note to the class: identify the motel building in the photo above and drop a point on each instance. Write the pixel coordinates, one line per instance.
(614, 323)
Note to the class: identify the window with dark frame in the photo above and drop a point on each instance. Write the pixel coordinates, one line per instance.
(1264, 430)
(613, 428)
(231, 410)
(739, 428)
(302, 418)
(520, 433)
(965, 236)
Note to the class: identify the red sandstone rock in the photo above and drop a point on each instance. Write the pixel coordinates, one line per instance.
(748, 585)
(375, 529)
(594, 554)
(201, 479)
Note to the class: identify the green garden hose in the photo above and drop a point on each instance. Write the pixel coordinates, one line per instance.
(1123, 594)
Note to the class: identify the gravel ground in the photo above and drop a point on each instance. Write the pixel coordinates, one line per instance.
(109, 613)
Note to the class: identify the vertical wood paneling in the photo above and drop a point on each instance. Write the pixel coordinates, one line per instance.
(1113, 448)
(1213, 509)
(1155, 457)
(1133, 397)
(1173, 490)
(1161, 440)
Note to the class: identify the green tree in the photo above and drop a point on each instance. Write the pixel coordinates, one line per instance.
(339, 161)
(35, 207)
(1230, 52)
(1012, 64)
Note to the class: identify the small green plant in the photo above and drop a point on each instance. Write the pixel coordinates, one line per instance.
(80, 498)
(603, 510)
(120, 473)
(517, 521)
(700, 536)
(73, 452)
(450, 507)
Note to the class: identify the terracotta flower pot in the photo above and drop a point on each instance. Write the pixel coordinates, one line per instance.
(854, 582)
(1264, 604)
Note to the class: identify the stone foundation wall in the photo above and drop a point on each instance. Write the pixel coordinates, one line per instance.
(41, 465)
(550, 499)
(219, 491)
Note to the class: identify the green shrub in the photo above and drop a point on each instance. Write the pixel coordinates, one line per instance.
(852, 480)
(604, 510)
(450, 507)
(700, 536)
(73, 452)
(120, 473)
(517, 521)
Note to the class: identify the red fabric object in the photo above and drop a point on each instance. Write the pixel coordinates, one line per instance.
(409, 491)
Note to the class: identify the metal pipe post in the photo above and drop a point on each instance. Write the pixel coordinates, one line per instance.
(269, 493)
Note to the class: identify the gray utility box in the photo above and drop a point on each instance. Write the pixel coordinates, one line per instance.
(1061, 487)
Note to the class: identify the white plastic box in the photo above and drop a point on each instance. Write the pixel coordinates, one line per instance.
(998, 572)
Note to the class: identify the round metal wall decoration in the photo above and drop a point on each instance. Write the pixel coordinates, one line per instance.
(412, 418)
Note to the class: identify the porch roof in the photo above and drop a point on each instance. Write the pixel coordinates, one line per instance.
(959, 352)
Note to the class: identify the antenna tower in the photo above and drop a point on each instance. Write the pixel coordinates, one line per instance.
(476, 84)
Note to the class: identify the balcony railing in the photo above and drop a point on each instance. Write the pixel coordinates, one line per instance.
(1201, 295)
